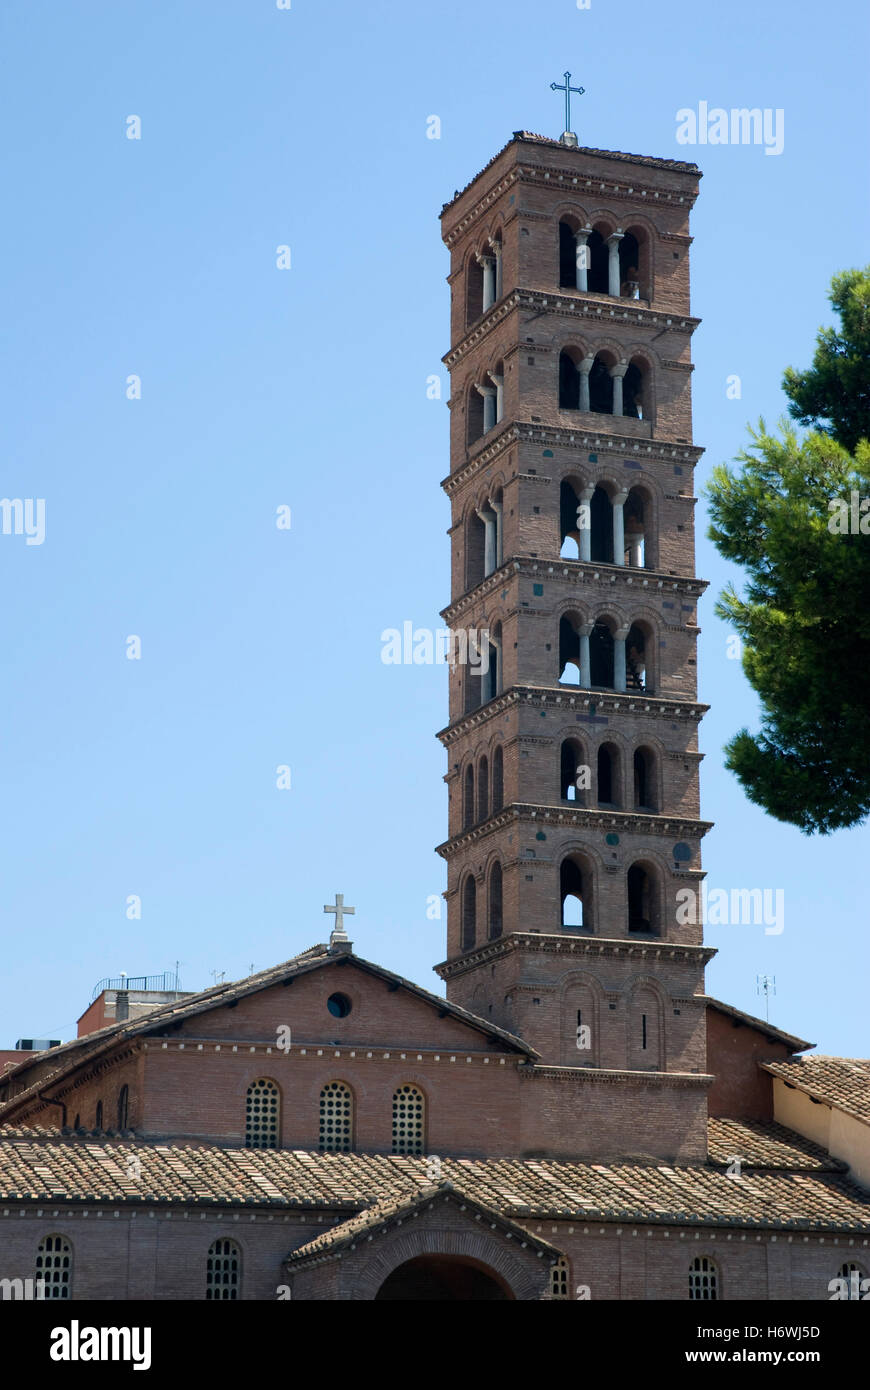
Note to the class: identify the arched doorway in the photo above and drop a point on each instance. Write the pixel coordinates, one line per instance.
(442, 1279)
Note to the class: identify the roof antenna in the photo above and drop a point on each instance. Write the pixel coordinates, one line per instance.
(766, 985)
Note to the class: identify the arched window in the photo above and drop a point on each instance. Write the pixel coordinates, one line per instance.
(495, 902)
(336, 1118)
(643, 914)
(54, 1263)
(633, 391)
(703, 1278)
(573, 772)
(608, 776)
(634, 529)
(601, 526)
(601, 655)
(475, 415)
(601, 385)
(597, 257)
(483, 789)
(567, 257)
(491, 680)
(636, 676)
(474, 291)
(262, 1115)
(468, 798)
(569, 379)
(575, 894)
(98, 1119)
(852, 1276)
(475, 545)
(469, 914)
(569, 650)
(409, 1116)
(223, 1271)
(570, 521)
(559, 1278)
(497, 780)
(123, 1107)
(644, 780)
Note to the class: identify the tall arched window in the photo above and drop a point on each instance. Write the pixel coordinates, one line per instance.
(468, 798)
(492, 679)
(601, 525)
(601, 655)
(497, 780)
(223, 1271)
(54, 1263)
(409, 1120)
(574, 772)
(608, 775)
(262, 1115)
(483, 789)
(336, 1118)
(475, 549)
(643, 908)
(495, 902)
(644, 780)
(469, 913)
(575, 893)
(569, 379)
(123, 1106)
(559, 1279)
(703, 1278)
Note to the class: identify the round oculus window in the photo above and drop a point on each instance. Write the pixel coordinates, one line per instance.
(339, 1005)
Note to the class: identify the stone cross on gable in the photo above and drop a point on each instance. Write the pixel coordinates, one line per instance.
(338, 932)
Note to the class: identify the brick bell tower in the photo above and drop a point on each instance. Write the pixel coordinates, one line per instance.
(573, 735)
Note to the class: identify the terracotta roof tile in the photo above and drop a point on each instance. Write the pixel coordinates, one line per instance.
(36, 1165)
(841, 1082)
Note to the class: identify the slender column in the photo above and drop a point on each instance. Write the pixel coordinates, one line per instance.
(489, 544)
(489, 403)
(585, 661)
(585, 532)
(617, 373)
(613, 264)
(635, 550)
(582, 255)
(497, 252)
(488, 263)
(584, 369)
(619, 658)
(619, 502)
(498, 382)
(498, 508)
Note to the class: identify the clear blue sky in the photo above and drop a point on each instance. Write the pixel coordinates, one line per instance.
(307, 387)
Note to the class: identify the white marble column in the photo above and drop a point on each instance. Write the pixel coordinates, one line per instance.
(582, 257)
(617, 373)
(585, 532)
(489, 404)
(497, 253)
(619, 502)
(489, 544)
(613, 264)
(584, 369)
(498, 509)
(498, 382)
(488, 263)
(619, 658)
(585, 661)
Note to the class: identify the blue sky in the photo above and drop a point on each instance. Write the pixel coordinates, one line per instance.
(307, 388)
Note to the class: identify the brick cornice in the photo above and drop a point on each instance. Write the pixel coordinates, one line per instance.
(587, 818)
(561, 437)
(600, 308)
(678, 1080)
(563, 943)
(605, 702)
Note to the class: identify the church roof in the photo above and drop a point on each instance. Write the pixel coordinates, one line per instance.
(782, 1181)
(774, 1034)
(841, 1082)
(50, 1067)
(529, 138)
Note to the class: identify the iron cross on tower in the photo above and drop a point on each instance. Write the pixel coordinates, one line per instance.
(338, 932)
(567, 89)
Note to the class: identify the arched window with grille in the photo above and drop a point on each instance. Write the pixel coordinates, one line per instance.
(223, 1276)
(54, 1262)
(559, 1275)
(123, 1107)
(409, 1120)
(703, 1278)
(262, 1115)
(336, 1118)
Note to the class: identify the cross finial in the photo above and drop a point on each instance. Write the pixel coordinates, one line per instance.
(338, 933)
(568, 136)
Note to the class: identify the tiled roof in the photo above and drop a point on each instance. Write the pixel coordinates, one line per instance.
(760, 1145)
(381, 1214)
(44, 1165)
(841, 1082)
(775, 1034)
(69, 1055)
(528, 137)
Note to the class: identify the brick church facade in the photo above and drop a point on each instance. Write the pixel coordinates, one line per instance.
(578, 1118)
